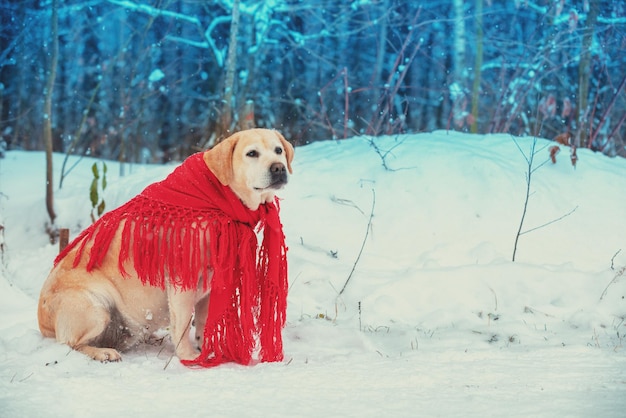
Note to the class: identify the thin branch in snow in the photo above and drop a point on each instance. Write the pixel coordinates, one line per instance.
(184, 335)
(613, 259)
(346, 202)
(384, 154)
(367, 231)
(619, 274)
(551, 222)
(530, 160)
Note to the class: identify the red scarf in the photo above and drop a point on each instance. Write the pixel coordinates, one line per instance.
(187, 225)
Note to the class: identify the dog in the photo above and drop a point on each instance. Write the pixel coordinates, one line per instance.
(101, 312)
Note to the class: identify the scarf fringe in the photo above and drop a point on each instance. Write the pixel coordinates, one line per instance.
(273, 306)
(170, 246)
(257, 308)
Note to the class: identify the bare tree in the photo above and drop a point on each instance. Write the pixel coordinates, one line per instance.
(226, 118)
(47, 123)
(531, 168)
(458, 85)
(477, 65)
(584, 75)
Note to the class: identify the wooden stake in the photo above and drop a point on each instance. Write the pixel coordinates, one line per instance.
(64, 238)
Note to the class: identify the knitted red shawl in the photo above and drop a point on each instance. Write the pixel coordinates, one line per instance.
(189, 225)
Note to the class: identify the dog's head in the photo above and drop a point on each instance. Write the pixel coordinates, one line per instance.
(253, 163)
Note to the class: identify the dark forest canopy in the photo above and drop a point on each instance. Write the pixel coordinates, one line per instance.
(142, 80)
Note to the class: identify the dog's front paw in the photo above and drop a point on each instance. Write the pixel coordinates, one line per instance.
(103, 355)
(188, 354)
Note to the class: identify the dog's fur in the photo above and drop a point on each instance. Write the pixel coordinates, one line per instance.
(101, 312)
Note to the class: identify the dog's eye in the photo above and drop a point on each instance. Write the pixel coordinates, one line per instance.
(278, 150)
(253, 154)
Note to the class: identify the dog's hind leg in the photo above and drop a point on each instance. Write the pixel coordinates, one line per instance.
(80, 322)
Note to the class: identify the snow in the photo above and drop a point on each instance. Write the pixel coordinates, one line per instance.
(456, 91)
(435, 320)
(156, 75)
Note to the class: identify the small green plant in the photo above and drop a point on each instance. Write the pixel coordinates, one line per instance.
(97, 186)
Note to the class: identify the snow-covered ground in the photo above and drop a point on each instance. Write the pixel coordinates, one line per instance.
(435, 320)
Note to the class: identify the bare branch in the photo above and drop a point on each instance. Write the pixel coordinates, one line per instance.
(551, 222)
(154, 12)
(367, 231)
(619, 274)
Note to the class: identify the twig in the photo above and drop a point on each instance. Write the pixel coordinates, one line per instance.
(323, 110)
(367, 231)
(551, 222)
(346, 202)
(77, 136)
(613, 259)
(384, 154)
(619, 274)
(495, 297)
(346, 102)
(386, 99)
(167, 363)
(294, 281)
(607, 110)
(529, 160)
(613, 133)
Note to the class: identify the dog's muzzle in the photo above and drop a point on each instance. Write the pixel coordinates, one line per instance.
(278, 176)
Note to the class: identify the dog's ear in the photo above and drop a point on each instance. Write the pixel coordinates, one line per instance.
(219, 159)
(289, 151)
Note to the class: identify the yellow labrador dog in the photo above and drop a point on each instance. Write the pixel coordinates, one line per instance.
(99, 312)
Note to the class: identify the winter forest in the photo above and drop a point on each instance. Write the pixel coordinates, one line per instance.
(152, 81)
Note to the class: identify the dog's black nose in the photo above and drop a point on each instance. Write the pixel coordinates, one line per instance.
(278, 174)
(277, 168)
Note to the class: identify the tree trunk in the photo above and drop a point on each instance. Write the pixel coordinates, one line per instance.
(459, 40)
(20, 83)
(47, 122)
(584, 74)
(226, 117)
(246, 116)
(477, 65)
(381, 47)
(377, 80)
(458, 93)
